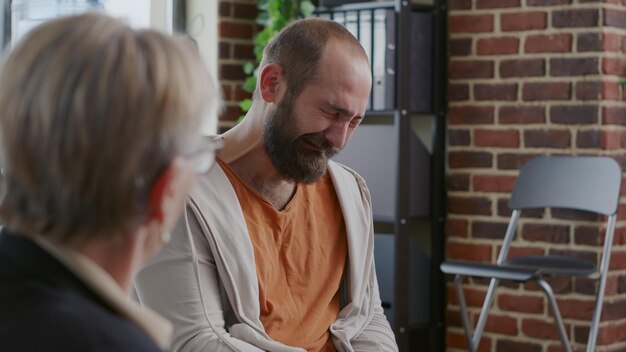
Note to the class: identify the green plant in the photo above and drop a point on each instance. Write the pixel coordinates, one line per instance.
(274, 15)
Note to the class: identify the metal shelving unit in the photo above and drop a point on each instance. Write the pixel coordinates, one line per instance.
(400, 150)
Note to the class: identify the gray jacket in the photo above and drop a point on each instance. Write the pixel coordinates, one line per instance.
(204, 281)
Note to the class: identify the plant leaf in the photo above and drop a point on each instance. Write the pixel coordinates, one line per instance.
(245, 105)
(306, 8)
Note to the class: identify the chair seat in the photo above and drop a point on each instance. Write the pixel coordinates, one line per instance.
(553, 265)
(522, 268)
(474, 269)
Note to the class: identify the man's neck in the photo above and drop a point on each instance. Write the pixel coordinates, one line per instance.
(257, 170)
(245, 153)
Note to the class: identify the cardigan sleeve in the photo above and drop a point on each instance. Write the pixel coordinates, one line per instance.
(182, 284)
(377, 335)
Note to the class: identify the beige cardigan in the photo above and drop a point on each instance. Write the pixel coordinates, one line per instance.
(205, 280)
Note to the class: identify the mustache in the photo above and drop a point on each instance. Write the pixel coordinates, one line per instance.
(318, 140)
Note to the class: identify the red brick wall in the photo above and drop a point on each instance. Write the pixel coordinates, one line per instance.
(237, 27)
(527, 78)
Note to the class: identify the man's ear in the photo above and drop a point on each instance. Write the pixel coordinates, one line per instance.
(270, 83)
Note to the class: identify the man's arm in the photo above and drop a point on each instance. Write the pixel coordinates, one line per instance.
(377, 335)
(185, 289)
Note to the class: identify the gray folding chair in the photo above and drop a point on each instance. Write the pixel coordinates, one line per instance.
(589, 184)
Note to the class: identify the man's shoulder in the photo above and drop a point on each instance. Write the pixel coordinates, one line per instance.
(345, 171)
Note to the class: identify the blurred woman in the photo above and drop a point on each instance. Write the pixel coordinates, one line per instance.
(98, 128)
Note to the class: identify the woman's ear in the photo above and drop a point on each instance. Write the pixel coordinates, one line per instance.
(270, 82)
(169, 192)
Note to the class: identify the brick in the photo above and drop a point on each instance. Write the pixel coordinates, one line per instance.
(610, 90)
(224, 50)
(540, 329)
(463, 115)
(614, 18)
(588, 139)
(502, 92)
(497, 46)
(587, 235)
(547, 2)
(574, 114)
(456, 228)
(589, 90)
(235, 30)
(469, 205)
(459, 137)
(575, 18)
(576, 309)
(482, 229)
(496, 138)
(555, 43)
(243, 51)
(224, 9)
(458, 92)
(573, 67)
(465, 159)
(522, 68)
(571, 214)
(611, 334)
(614, 115)
(547, 139)
(474, 252)
(589, 42)
(507, 345)
(613, 66)
(585, 286)
(612, 42)
(578, 254)
(500, 324)
(613, 139)
(521, 114)
(495, 4)
(230, 113)
(545, 233)
(458, 341)
(473, 297)
(240, 94)
(459, 4)
(618, 260)
(232, 72)
(515, 22)
(470, 23)
(457, 182)
(519, 303)
(621, 288)
(505, 211)
(493, 183)
(537, 91)
(245, 11)
(453, 318)
(515, 251)
(460, 46)
(470, 69)
(513, 161)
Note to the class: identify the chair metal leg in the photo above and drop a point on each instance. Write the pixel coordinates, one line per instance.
(556, 313)
(464, 313)
(473, 338)
(604, 267)
(484, 312)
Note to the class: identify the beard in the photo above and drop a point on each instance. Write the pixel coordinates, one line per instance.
(288, 149)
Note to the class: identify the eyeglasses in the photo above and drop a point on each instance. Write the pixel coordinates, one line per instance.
(204, 156)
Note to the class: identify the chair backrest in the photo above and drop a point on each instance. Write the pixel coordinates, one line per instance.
(571, 182)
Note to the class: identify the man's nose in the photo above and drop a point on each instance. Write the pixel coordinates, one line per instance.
(337, 134)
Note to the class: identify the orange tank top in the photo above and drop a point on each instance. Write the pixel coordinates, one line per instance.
(300, 255)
